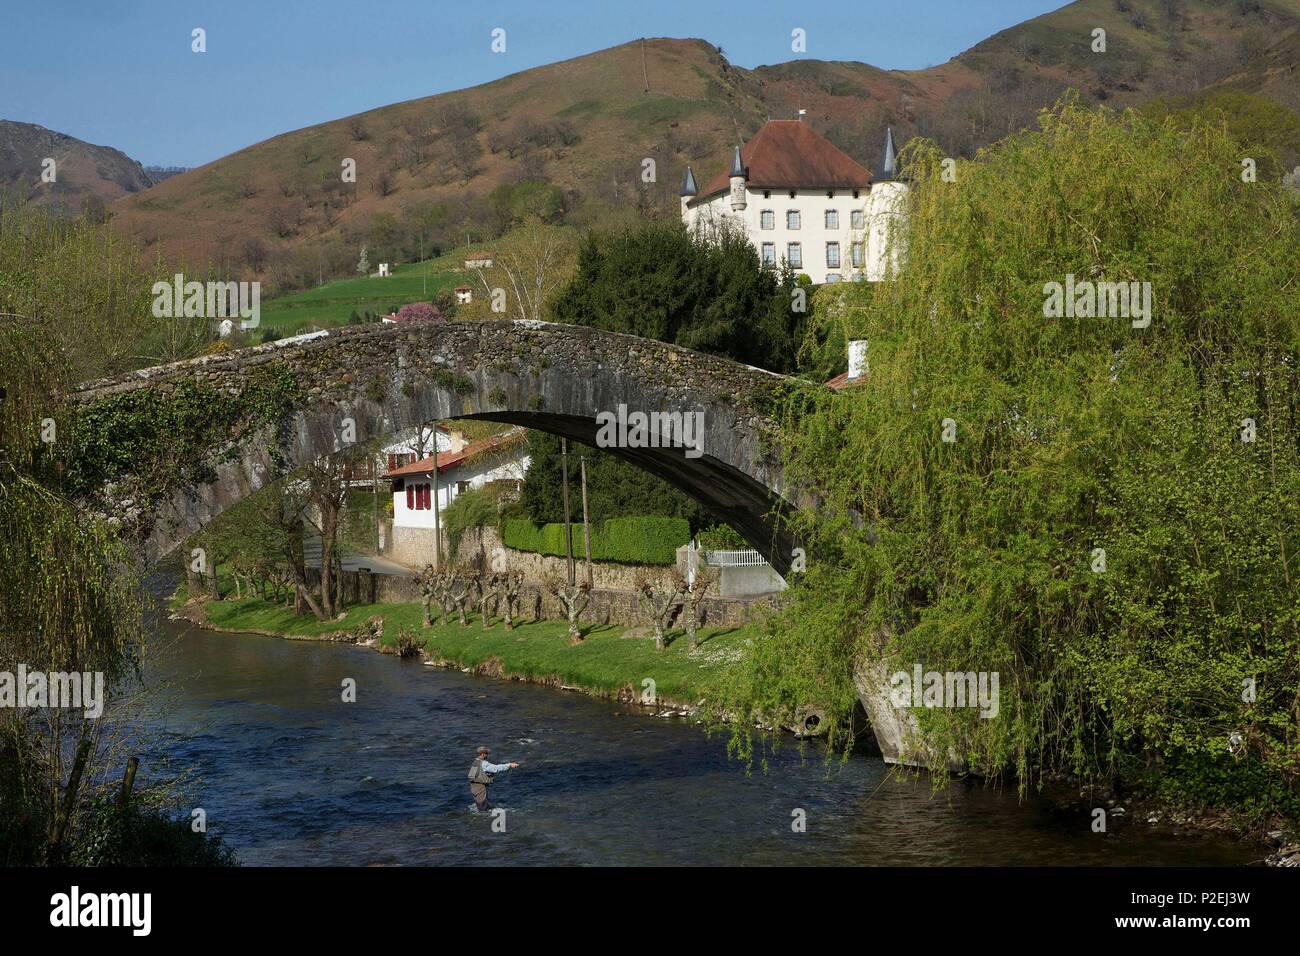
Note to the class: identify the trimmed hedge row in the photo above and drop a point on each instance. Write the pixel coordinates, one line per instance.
(648, 540)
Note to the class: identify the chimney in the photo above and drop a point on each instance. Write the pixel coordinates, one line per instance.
(857, 359)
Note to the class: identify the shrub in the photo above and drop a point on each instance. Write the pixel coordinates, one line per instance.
(643, 540)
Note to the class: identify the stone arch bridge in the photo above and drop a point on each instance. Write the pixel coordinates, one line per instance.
(550, 377)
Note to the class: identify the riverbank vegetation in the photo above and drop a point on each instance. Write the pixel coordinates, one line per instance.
(69, 599)
(1104, 512)
(610, 661)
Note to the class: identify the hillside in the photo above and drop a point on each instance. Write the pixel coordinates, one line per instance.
(82, 171)
(427, 168)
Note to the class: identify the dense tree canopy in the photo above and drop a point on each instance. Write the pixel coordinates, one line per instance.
(615, 489)
(708, 293)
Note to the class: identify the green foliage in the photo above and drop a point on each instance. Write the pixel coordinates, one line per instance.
(162, 438)
(720, 537)
(476, 508)
(711, 294)
(145, 836)
(615, 488)
(69, 596)
(515, 203)
(833, 311)
(1265, 130)
(89, 292)
(1072, 435)
(634, 540)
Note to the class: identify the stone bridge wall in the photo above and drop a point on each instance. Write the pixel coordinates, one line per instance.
(380, 380)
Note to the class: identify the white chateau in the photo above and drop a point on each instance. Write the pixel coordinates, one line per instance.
(801, 200)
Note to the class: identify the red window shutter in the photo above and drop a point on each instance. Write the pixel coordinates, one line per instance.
(428, 498)
(392, 462)
(410, 497)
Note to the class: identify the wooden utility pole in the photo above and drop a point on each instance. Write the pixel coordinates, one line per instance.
(586, 524)
(568, 530)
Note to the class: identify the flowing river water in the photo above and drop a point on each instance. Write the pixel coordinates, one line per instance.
(291, 775)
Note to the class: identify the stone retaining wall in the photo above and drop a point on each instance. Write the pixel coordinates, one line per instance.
(608, 605)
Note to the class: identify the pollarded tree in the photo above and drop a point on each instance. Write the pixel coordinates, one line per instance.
(573, 599)
(487, 597)
(508, 585)
(658, 599)
(694, 594)
(462, 591)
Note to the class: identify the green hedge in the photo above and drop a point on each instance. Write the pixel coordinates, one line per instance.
(626, 540)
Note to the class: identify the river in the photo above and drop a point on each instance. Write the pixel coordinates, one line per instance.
(290, 774)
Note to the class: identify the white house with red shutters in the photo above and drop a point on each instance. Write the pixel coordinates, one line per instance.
(498, 458)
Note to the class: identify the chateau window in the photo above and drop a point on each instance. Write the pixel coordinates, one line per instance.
(794, 255)
(767, 194)
(855, 194)
(856, 219)
(832, 278)
(832, 219)
(792, 194)
(832, 255)
(769, 253)
(830, 194)
(857, 255)
(767, 219)
(792, 219)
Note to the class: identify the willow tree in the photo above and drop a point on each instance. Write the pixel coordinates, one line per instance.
(68, 589)
(1103, 510)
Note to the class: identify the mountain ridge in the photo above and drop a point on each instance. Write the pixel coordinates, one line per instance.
(434, 171)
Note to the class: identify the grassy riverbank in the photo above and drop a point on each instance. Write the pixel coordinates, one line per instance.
(610, 659)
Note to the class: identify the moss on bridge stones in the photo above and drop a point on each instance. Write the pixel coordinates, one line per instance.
(174, 433)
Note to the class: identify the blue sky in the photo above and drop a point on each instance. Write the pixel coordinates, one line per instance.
(121, 73)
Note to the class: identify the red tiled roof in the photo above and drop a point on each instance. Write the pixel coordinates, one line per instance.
(842, 381)
(450, 459)
(788, 154)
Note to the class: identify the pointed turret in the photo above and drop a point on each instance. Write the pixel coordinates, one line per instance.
(889, 157)
(688, 184)
(738, 177)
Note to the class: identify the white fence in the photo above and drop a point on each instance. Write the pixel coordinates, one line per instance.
(733, 559)
(740, 572)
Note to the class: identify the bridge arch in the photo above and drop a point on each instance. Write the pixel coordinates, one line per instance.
(550, 377)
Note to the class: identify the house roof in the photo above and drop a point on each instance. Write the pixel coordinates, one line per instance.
(789, 154)
(473, 450)
(842, 381)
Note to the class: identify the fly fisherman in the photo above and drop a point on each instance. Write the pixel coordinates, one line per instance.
(481, 774)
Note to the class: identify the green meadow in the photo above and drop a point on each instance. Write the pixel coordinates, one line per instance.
(333, 303)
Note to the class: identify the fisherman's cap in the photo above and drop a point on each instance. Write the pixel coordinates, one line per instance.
(483, 750)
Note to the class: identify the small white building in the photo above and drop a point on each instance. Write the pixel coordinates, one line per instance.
(464, 294)
(406, 447)
(500, 458)
(803, 201)
(479, 260)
